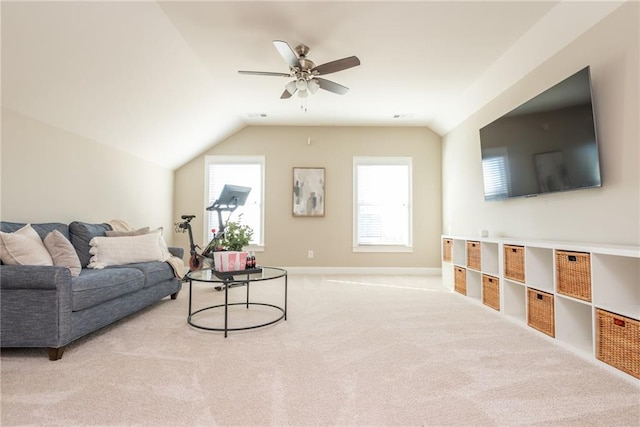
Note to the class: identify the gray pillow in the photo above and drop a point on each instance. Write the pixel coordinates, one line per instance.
(81, 234)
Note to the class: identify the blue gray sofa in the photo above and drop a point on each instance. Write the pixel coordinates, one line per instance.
(44, 306)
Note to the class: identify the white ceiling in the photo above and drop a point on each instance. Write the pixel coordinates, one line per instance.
(159, 79)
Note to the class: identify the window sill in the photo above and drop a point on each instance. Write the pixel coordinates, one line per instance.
(382, 248)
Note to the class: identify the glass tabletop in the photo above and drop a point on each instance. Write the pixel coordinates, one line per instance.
(208, 275)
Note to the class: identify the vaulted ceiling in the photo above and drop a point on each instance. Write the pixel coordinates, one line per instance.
(160, 79)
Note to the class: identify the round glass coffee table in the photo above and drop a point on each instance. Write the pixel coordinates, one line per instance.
(227, 280)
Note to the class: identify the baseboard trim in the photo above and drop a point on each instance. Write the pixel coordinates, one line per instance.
(405, 271)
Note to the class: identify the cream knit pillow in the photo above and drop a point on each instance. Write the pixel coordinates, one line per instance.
(23, 247)
(127, 249)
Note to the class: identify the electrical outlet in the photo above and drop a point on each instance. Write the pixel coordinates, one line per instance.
(310, 254)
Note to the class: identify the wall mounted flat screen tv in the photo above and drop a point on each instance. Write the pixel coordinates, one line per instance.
(546, 145)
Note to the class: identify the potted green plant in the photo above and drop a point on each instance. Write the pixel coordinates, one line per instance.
(236, 236)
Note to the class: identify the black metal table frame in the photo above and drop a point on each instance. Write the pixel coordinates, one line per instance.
(229, 282)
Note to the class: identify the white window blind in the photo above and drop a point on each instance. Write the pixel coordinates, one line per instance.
(235, 170)
(382, 201)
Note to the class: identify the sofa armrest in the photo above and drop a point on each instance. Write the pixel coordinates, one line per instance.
(35, 308)
(34, 277)
(177, 252)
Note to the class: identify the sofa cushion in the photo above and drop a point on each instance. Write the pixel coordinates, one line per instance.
(93, 287)
(62, 252)
(81, 234)
(154, 272)
(23, 247)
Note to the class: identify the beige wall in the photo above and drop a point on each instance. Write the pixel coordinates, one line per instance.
(610, 214)
(50, 175)
(288, 238)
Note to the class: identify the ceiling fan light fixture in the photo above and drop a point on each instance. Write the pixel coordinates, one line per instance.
(291, 87)
(313, 86)
(301, 84)
(303, 93)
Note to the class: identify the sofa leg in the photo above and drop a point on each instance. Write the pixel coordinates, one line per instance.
(174, 296)
(56, 353)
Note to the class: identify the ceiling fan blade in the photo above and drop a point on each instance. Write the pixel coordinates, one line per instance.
(287, 53)
(286, 94)
(331, 86)
(337, 65)
(265, 73)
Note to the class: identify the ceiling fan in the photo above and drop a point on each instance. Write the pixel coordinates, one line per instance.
(305, 72)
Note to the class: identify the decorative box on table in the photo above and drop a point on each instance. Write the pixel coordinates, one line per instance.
(230, 260)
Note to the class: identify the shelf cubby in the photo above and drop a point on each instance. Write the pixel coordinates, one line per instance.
(616, 284)
(539, 264)
(490, 258)
(474, 284)
(460, 252)
(574, 324)
(515, 300)
(448, 275)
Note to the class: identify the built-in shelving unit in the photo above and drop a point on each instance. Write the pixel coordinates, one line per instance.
(614, 284)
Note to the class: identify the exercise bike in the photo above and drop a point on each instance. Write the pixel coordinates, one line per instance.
(231, 197)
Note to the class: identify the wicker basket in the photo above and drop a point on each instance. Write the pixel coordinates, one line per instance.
(447, 250)
(491, 291)
(618, 342)
(514, 262)
(460, 285)
(473, 255)
(540, 313)
(573, 274)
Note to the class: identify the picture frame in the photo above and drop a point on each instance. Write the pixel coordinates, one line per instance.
(308, 191)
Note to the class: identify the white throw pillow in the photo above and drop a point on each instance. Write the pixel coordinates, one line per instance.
(23, 247)
(126, 250)
(62, 252)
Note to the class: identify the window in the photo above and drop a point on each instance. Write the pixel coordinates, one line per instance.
(494, 172)
(382, 204)
(247, 171)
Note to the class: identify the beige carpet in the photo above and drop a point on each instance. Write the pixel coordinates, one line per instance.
(355, 351)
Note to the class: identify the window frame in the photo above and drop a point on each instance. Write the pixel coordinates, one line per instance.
(383, 160)
(230, 160)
